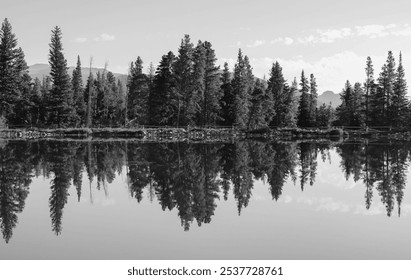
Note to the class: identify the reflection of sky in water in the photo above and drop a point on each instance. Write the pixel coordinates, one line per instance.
(328, 220)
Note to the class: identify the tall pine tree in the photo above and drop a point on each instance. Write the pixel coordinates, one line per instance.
(78, 95)
(61, 97)
(400, 102)
(13, 73)
(305, 103)
(138, 92)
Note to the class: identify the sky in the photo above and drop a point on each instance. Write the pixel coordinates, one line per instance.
(330, 39)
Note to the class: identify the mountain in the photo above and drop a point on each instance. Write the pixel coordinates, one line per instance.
(43, 70)
(328, 97)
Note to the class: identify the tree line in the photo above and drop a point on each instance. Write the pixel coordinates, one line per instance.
(189, 89)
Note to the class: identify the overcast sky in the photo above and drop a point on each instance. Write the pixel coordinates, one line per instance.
(328, 38)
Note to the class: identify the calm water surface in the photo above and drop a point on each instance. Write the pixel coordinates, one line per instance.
(245, 200)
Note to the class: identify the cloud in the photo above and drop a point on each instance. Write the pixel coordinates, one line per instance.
(326, 36)
(80, 39)
(404, 31)
(257, 43)
(105, 37)
(374, 30)
(285, 40)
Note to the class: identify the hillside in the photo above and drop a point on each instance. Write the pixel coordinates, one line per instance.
(43, 70)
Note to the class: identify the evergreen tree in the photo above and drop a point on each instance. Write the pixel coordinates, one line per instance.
(78, 94)
(241, 90)
(212, 94)
(13, 72)
(386, 88)
(37, 101)
(278, 96)
(227, 116)
(183, 71)
(195, 103)
(89, 98)
(350, 112)
(61, 98)
(325, 115)
(313, 100)
(292, 105)
(399, 98)
(258, 109)
(357, 103)
(304, 105)
(138, 92)
(370, 92)
(162, 101)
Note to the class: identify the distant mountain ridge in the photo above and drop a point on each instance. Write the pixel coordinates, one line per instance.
(43, 70)
(329, 97)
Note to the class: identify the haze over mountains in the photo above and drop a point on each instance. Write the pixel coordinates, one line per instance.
(43, 70)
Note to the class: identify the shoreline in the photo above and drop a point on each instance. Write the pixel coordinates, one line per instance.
(172, 134)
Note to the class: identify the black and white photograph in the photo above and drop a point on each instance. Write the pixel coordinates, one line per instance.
(218, 130)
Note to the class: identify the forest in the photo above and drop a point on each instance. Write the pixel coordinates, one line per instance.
(189, 89)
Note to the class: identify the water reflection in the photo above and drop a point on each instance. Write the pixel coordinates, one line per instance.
(189, 177)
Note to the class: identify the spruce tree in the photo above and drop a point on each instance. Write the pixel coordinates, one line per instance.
(370, 92)
(313, 100)
(89, 98)
(163, 99)
(13, 72)
(386, 88)
(357, 102)
(183, 71)
(212, 94)
(291, 115)
(304, 104)
(138, 92)
(78, 95)
(241, 90)
(227, 101)
(258, 109)
(61, 98)
(278, 96)
(400, 102)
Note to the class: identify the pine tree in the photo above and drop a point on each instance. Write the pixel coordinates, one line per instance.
(78, 94)
(163, 99)
(89, 98)
(13, 72)
(357, 109)
(346, 111)
(241, 90)
(370, 92)
(258, 109)
(400, 103)
(195, 102)
(278, 95)
(212, 94)
(61, 98)
(138, 92)
(386, 88)
(304, 104)
(183, 71)
(227, 101)
(313, 100)
(291, 105)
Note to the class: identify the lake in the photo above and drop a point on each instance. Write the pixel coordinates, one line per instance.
(243, 200)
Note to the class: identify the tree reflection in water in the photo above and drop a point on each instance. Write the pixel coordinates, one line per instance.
(189, 177)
